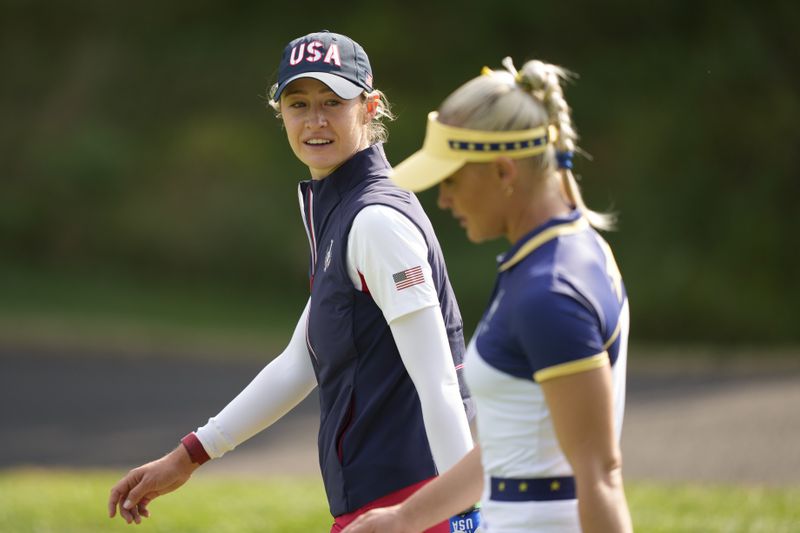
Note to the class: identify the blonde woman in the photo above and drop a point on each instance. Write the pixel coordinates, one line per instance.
(547, 363)
(381, 334)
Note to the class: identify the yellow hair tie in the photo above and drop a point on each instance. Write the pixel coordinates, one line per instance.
(518, 77)
(486, 71)
(552, 133)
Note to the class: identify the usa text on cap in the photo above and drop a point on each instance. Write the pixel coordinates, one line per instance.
(334, 59)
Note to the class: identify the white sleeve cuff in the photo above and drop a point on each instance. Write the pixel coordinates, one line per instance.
(214, 440)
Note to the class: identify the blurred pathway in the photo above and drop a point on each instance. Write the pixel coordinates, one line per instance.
(701, 422)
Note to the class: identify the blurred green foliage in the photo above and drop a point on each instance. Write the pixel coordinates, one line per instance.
(135, 141)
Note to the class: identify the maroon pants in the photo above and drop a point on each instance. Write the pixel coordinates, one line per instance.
(341, 521)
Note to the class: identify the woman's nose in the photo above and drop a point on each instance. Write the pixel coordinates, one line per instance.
(317, 119)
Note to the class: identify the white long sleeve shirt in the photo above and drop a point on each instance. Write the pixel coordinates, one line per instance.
(381, 241)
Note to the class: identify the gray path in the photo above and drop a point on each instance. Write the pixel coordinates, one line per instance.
(738, 422)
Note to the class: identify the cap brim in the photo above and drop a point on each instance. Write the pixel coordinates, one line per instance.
(421, 171)
(342, 87)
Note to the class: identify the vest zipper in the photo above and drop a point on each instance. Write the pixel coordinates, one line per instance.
(307, 212)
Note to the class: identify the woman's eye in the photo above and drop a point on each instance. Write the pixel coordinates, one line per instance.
(333, 102)
(297, 105)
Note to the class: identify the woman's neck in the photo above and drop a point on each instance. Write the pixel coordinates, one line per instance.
(534, 209)
(321, 174)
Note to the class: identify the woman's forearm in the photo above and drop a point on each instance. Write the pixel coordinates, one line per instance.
(602, 506)
(451, 493)
(280, 386)
(421, 339)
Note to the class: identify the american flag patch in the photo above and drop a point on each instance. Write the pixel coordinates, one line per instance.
(407, 278)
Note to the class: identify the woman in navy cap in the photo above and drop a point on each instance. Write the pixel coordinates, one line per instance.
(547, 362)
(380, 335)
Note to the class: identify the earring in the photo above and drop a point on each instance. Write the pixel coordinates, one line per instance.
(372, 103)
(509, 190)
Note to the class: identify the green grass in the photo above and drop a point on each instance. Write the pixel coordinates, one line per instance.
(74, 502)
(673, 508)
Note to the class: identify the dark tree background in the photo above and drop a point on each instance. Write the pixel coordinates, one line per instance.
(136, 143)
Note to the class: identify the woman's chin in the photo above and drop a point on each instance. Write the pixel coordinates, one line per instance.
(474, 236)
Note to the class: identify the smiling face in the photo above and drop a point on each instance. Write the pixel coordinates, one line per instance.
(474, 195)
(324, 130)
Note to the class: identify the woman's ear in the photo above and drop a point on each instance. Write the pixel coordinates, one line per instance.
(506, 171)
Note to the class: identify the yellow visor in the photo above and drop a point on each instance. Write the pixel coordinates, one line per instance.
(447, 148)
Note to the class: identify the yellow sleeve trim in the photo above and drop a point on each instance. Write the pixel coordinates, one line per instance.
(614, 335)
(572, 367)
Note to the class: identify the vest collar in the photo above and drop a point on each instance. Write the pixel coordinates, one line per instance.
(368, 163)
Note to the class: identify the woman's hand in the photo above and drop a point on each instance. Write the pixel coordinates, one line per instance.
(142, 485)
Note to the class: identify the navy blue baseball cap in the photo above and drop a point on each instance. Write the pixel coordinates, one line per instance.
(334, 59)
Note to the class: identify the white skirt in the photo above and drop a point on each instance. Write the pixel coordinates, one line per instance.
(559, 516)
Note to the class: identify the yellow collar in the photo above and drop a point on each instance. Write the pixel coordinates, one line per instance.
(540, 238)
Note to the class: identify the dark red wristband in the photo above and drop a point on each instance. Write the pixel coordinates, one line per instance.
(195, 449)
